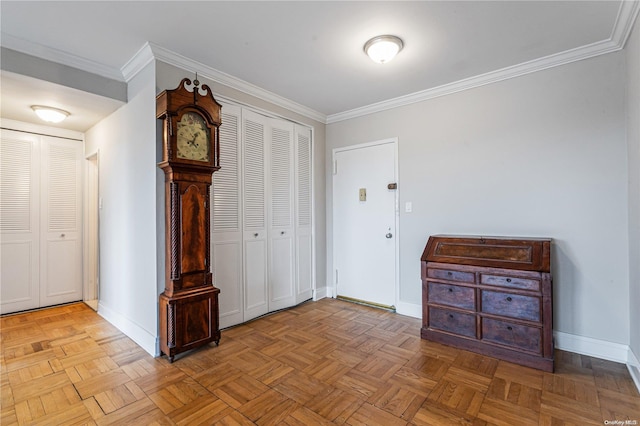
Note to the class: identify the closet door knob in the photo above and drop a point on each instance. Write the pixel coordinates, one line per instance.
(255, 235)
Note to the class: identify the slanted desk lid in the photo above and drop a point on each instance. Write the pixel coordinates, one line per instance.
(529, 254)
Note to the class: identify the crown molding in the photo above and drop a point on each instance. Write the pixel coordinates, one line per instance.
(164, 55)
(137, 62)
(622, 28)
(60, 57)
(627, 15)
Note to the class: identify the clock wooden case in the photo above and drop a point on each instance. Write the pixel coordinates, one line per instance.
(190, 154)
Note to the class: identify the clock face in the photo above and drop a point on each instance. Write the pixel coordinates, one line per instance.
(193, 137)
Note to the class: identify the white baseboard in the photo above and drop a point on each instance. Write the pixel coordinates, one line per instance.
(616, 352)
(409, 309)
(320, 293)
(633, 364)
(142, 337)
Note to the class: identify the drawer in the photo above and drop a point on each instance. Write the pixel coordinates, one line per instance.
(453, 322)
(511, 305)
(511, 282)
(514, 335)
(452, 295)
(451, 275)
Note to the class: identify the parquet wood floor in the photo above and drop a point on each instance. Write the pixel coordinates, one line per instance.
(321, 363)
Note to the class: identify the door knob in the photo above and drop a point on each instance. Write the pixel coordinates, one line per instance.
(389, 235)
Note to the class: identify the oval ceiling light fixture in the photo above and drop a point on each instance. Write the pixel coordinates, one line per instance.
(382, 49)
(50, 114)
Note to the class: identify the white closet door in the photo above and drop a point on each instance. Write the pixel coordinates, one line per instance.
(254, 208)
(61, 218)
(226, 221)
(19, 221)
(281, 226)
(303, 245)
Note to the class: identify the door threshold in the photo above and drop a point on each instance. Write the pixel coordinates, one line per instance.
(390, 308)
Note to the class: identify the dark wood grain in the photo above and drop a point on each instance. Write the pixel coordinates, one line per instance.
(188, 307)
(491, 295)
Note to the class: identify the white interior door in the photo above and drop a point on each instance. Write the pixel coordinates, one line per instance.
(61, 215)
(226, 221)
(254, 171)
(19, 221)
(281, 230)
(364, 222)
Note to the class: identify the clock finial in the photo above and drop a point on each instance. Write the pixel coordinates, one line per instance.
(196, 83)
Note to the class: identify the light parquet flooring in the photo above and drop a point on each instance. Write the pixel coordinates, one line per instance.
(321, 363)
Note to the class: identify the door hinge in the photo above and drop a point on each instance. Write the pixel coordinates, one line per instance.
(335, 167)
(336, 276)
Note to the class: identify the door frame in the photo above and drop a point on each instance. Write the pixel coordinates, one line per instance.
(91, 236)
(394, 141)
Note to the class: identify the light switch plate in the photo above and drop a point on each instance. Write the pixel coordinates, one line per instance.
(363, 194)
(408, 207)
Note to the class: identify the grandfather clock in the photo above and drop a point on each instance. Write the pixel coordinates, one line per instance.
(190, 155)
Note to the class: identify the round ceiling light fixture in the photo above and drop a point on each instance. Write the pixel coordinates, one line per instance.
(50, 114)
(382, 49)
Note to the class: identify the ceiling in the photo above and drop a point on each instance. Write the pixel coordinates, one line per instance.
(308, 52)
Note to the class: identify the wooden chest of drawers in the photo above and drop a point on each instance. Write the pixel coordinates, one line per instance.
(491, 295)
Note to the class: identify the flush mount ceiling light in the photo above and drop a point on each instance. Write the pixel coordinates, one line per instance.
(49, 114)
(382, 49)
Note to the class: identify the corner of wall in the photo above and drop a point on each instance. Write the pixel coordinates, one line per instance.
(633, 364)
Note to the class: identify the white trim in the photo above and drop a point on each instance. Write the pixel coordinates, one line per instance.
(60, 57)
(137, 62)
(621, 30)
(633, 365)
(21, 126)
(623, 26)
(409, 309)
(139, 335)
(617, 352)
(320, 293)
(205, 71)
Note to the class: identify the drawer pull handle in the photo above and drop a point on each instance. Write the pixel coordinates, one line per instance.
(450, 290)
(449, 273)
(450, 315)
(509, 328)
(508, 280)
(509, 299)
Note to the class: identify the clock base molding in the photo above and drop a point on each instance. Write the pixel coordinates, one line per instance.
(188, 321)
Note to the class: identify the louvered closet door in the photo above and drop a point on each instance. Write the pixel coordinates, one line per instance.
(226, 221)
(61, 221)
(254, 209)
(304, 248)
(281, 224)
(19, 221)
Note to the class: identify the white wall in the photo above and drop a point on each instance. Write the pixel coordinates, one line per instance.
(539, 155)
(633, 137)
(126, 141)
